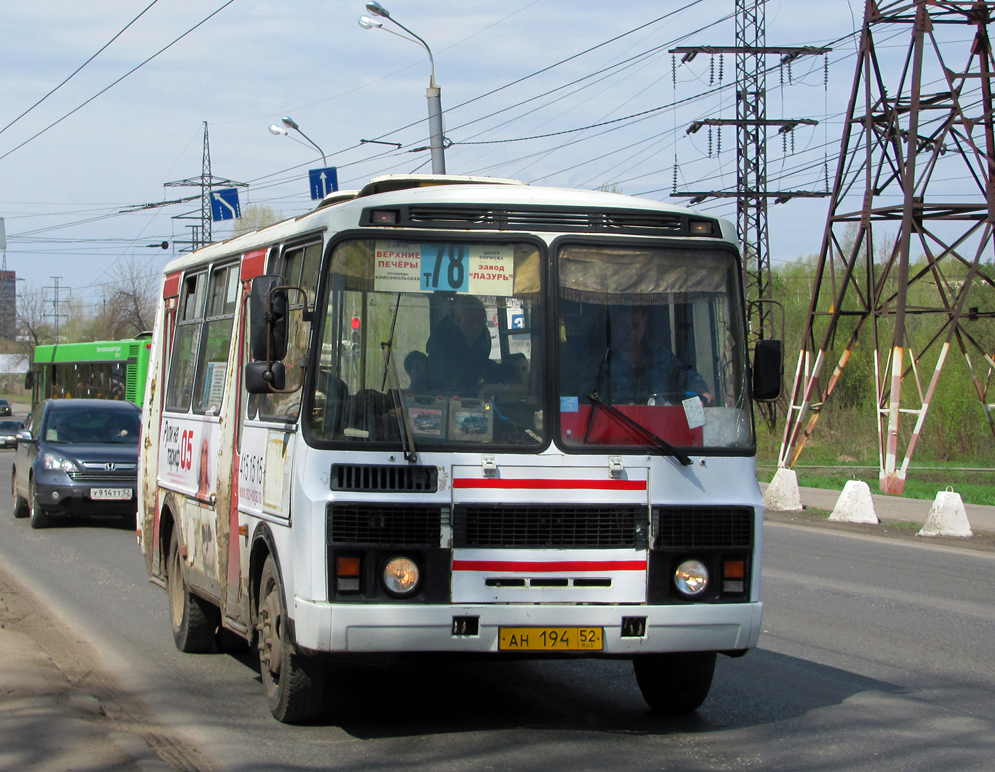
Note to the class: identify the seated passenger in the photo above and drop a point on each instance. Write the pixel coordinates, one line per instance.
(416, 366)
(459, 350)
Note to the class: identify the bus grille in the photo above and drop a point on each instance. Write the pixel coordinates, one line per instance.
(701, 528)
(398, 524)
(371, 478)
(548, 526)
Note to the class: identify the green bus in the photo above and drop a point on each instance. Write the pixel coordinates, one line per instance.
(103, 369)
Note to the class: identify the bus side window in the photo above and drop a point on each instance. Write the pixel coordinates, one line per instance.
(186, 344)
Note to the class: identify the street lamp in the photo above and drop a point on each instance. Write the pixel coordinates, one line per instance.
(433, 93)
(290, 123)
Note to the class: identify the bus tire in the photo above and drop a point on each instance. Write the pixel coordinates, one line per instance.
(294, 682)
(20, 504)
(675, 683)
(192, 618)
(39, 518)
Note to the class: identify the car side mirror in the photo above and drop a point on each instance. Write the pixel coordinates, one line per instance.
(768, 369)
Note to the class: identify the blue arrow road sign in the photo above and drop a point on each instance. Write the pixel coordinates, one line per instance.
(224, 204)
(323, 181)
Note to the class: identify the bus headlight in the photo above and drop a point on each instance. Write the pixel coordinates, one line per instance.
(691, 578)
(401, 576)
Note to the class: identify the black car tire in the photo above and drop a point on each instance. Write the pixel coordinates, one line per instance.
(676, 683)
(39, 517)
(20, 505)
(192, 618)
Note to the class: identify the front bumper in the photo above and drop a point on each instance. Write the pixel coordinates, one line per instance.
(59, 494)
(382, 628)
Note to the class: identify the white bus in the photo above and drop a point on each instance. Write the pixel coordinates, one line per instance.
(460, 415)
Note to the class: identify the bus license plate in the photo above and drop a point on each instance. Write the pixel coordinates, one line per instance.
(550, 639)
(111, 494)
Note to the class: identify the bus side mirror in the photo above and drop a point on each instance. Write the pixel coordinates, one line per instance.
(265, 377)
(268, 318)
(29, 380)
(768, 367)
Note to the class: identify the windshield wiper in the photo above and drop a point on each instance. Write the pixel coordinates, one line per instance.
(656, 442)
(400, 412)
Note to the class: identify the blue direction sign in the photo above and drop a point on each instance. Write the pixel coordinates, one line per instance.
(224, 204)
(323, 181)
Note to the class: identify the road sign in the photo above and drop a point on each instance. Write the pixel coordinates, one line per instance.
(224, 204)
(323, 181)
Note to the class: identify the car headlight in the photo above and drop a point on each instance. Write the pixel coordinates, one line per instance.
(691, 578)
(400, 576)
(55, 462)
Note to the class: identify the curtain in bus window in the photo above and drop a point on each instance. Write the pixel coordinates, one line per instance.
(209, 386)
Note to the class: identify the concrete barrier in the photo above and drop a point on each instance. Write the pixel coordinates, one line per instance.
(947, 517)
(782, 494)
(854, 504)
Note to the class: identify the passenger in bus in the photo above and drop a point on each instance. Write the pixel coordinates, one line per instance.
(637, 368)
(459, 350)
(416, 366)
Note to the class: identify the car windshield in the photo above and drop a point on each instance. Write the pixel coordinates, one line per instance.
(10, 426)
(93, 426)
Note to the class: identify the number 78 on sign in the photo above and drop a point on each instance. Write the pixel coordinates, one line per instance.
(471, 268)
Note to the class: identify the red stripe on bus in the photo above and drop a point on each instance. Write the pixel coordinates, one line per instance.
(594, 485)
(523, 566)
(171, 286)
(253, 265)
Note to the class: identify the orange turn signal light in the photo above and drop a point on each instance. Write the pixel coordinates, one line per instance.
(347, 566)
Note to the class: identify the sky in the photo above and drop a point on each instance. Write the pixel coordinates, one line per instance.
(573, 93)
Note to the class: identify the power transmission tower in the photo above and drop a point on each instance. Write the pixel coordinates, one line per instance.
(915, 171)
(200, 235)
(56, 305)
(751, 124)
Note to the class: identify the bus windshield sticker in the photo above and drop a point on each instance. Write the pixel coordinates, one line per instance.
(477, 269)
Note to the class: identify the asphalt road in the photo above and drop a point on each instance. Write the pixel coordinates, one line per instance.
(877, 655)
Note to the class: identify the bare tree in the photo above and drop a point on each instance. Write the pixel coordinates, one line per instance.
(129, 300)
(33, 318)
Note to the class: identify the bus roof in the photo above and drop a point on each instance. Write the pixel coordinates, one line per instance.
(427, 188)
(91, 351)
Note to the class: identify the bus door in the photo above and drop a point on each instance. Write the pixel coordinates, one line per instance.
(268, 427)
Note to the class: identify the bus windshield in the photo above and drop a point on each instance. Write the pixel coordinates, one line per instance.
(440, 339)
(651, 347)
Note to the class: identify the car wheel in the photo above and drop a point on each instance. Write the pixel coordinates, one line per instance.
(294, 683)
(192, 618)
(675, 683)
(20, 505)
(39, 518)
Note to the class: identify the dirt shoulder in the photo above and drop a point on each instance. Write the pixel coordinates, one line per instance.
(60, 710)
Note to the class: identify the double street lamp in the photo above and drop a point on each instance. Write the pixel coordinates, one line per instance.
(433, 93)
(290, 123)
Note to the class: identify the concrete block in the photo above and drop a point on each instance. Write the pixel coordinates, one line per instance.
(855, 504)
(782, 494)
(947, 517)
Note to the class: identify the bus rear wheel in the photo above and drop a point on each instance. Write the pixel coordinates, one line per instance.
(192, 618)
(675, 683)
(294, 682)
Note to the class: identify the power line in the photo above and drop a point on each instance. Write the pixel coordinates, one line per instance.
(76, 71)
(108, 88)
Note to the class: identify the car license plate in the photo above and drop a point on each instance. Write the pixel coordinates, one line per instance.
(550, 639)
(113, 494)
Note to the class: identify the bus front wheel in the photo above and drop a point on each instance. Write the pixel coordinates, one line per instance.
(192, 618)
(675, 683)
(294, 682)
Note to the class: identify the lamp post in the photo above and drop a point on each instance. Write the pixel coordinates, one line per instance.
(433, 92)
(290, 123)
